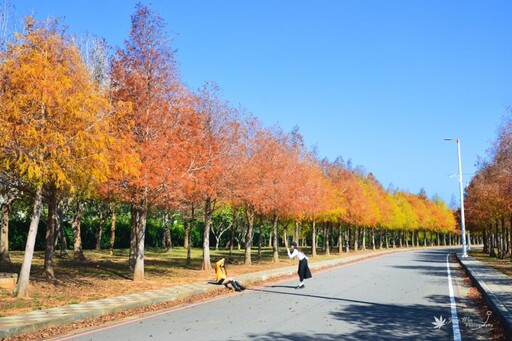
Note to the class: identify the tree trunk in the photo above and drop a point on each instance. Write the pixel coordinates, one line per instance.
(486, 241)
(4, 232)
(340, 238)
(503, 237)
(260, 239)
(48, 268)
(138, 269)
(468, 240)
(185, 237)
(243, 235)
(356, 237)
(62, 236)
(99, 231)
(296, 231)
(78, 253)
(323, 231)
(113, 229)
(363, 238)
(275, 253)
(167, 232)
(510, 234)
(133, 237)
(327, 241)
(492, 252)
(498, 240)
(23, 279)
(507, 237)
(189, 235)
(208, 211)
(232, 237)
(249, 214)
(186, 242)
(313, 236)
(347, 239)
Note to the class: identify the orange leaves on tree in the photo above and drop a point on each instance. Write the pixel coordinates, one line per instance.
(488, 194)
(164, 126)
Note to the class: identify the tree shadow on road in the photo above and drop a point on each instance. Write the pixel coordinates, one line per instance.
(433, 263)
(374, 321)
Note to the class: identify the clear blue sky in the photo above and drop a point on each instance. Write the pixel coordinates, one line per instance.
(378, 82)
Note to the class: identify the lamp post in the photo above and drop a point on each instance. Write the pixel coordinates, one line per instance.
(462, 224)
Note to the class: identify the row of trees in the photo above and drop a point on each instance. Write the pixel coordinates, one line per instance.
(77, 126)
(488, 204)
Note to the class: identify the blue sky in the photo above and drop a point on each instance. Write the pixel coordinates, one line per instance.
(381, 83)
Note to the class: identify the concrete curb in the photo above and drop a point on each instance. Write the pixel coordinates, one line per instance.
(504, 315)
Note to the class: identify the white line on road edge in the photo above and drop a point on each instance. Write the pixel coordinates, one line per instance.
(455, 318)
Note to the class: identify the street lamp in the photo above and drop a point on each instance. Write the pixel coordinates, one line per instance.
(464, 249)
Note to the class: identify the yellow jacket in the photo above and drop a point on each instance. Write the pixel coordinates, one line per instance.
(220, 270)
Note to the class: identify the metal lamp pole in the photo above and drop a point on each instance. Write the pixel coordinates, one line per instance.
(464, 248)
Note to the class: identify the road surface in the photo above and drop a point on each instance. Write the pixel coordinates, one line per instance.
(400, 296)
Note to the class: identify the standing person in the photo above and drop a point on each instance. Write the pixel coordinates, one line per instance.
(222, 276)
(303, 270)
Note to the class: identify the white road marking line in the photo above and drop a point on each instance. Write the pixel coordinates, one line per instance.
(455, 318)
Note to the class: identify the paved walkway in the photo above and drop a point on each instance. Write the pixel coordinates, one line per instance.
(498, 287)
(495, 286)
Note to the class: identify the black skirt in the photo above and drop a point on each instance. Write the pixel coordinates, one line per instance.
(303, 270)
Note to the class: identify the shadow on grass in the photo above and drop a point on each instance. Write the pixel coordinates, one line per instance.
(102, 265)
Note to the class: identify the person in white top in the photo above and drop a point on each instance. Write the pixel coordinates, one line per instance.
(304, 272)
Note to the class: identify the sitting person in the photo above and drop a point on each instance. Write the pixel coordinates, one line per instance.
(222, 276)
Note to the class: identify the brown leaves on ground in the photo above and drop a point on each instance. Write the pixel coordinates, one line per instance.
(504, 265)
(102, 276)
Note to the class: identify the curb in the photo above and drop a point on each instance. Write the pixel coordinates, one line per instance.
(504, 315)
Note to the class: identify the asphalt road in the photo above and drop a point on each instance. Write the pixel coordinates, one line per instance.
(393, 297)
